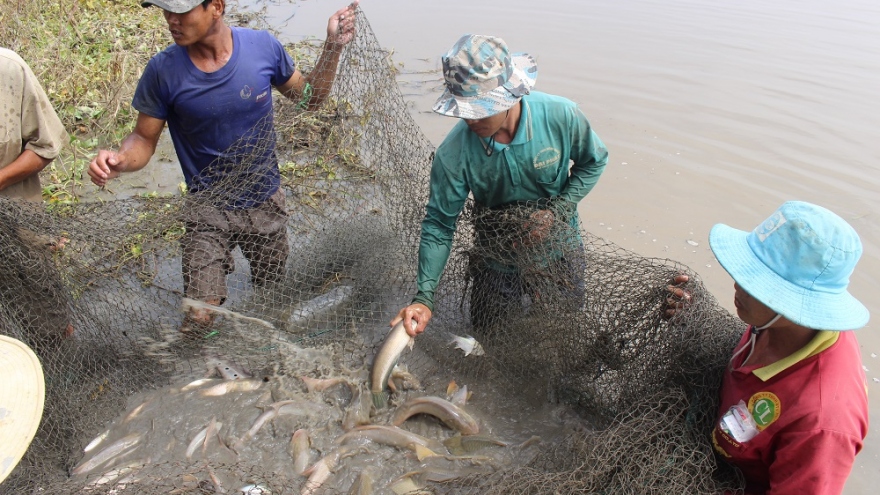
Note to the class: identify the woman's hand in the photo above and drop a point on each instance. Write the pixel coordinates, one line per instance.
(678, 298)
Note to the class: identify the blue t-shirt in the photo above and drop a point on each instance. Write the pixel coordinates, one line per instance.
(221, 122)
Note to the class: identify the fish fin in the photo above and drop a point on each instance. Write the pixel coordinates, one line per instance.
(391, 385)
(423, 452)
(451, 388)
(460, 397)
(405, 485)
(466, 344)
(309, 470)
(310, 383)
(379, 400)
(411, 343)
(478, 349)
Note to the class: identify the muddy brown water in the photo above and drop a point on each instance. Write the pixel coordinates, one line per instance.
(713, 111)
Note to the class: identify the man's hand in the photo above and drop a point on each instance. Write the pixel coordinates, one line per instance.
(536, 229)
(416, 313)
(105, 166)
(340, 27)
(678, 298)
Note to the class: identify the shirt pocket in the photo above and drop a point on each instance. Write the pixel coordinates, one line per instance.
(551, 179)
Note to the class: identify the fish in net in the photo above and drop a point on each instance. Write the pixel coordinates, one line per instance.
(579, 385)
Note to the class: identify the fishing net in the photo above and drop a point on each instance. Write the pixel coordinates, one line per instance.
(552, 339)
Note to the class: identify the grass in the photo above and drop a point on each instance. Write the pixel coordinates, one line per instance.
(88, 56)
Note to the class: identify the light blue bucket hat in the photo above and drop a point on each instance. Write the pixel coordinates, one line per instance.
(797, 263)
(483, 78)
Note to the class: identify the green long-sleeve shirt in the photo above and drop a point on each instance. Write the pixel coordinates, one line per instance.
(537, 164)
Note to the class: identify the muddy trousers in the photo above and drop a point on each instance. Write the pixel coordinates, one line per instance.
(498, 297)
(213, 233)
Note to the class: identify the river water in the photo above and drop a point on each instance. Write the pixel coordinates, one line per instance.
(713, 111)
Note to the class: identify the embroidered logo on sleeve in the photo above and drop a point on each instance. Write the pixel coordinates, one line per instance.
(765, 408)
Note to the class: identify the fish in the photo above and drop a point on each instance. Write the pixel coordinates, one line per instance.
(128, 470)
(115, 450)
(229, 386)
(94, 443)
(328, 301)
(255, 489)
(460, 397)
(198, 383)
(187, 304)
(408, 381)
(451, 388)
(320, 471)
(469, 345)
(406, 484)
(301, 445)
(394, 437)
(444, 474)
(363, 484)
(447, 412)
(202, 436)
(270, 413)
(358, 412)
(321, 384)
(468, 444)
(383, 364)
(135, 412)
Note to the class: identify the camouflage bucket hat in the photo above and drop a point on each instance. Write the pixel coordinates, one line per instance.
(483, 78)
(176, 6)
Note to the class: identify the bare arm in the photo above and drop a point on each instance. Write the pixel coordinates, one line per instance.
(134, 152)
(27, 164)
(340, 31)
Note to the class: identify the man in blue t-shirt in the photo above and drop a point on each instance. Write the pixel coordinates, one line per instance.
(513, 147)
(213, 88)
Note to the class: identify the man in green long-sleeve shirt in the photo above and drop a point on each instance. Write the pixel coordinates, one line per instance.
(512, 146)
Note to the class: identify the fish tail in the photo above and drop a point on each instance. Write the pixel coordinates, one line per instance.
(379, 400)
(423, 452)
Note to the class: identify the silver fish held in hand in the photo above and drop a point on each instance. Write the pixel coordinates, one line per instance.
(383, 364)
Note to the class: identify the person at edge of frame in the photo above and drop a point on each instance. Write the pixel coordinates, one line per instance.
(33, 137)
(793, 410)
(213, 87)
(512, 146)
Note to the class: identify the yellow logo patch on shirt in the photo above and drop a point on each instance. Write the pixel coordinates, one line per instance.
(765, 408)
(546, 158)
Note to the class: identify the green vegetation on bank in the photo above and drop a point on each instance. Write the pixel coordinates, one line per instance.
(88, 55)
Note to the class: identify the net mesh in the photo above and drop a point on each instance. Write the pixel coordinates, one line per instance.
(577, 383)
